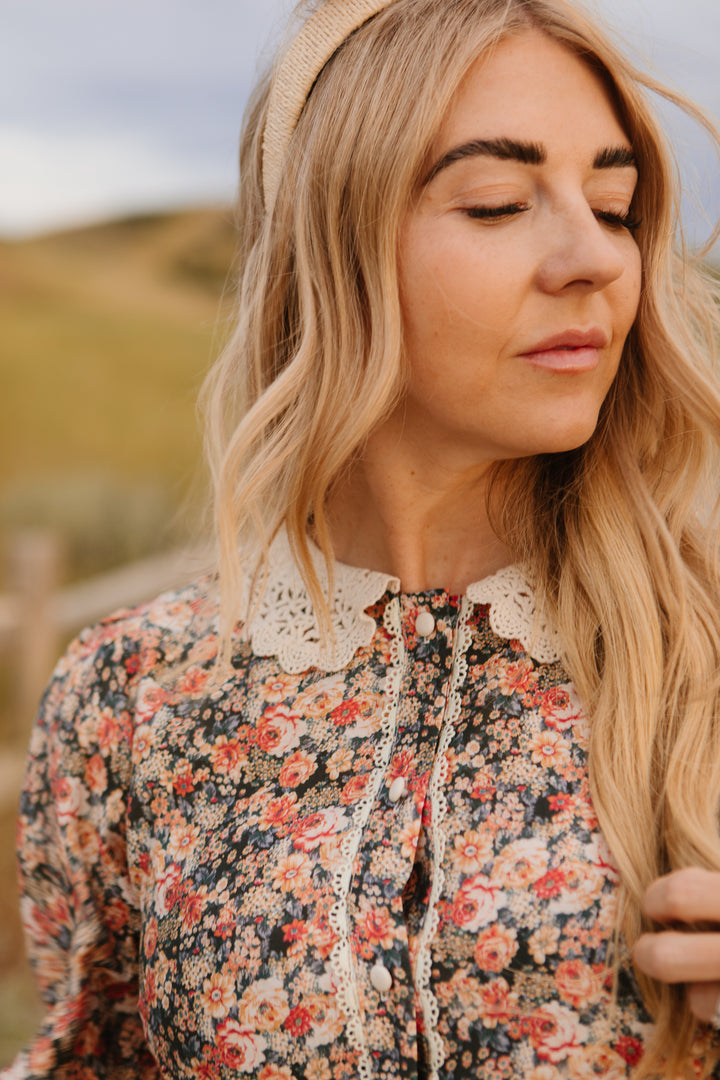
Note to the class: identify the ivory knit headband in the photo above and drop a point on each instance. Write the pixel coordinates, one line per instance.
(321, 36)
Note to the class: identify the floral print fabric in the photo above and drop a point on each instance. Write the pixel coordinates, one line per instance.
(389, 871)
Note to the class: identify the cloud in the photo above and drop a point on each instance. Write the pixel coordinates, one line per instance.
(49, 180)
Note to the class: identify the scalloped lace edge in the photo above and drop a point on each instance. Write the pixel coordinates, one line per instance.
(285, 625)
(341, 958)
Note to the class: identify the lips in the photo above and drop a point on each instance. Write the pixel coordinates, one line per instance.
(593, 338)
(571, 352)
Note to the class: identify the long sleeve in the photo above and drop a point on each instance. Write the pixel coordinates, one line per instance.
(78, 906)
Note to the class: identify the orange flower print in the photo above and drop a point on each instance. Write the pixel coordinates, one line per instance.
(408, 838)
(583, 885)
(192, 909)
(276, 1072)
(264, 1006)
(279, 686)
(355, 788)
(327, 1020)
(227, 755)
(550, 884)
(544, 942)
(70, 798)
(278, 811)
(320, 698)
(495, 948)
(550, 749)
(472, 850)
(182, 841)
(96, 774)
(560, 707)
(111, 730)
(554, 1032)
(293, 872)
(475, 903)
(218, 995)
(192, 681)
(340, 762)
(593, 1062)
(317, 828)
(298, 1021)
(238, 1048)
(168, 888)
(516, 677)
(497, 1004)
(278, 730)
(297, 769)
(348, 712)
(377, 927)
(577, 983)
(521, 863)
(483, 786)
(629, 1049)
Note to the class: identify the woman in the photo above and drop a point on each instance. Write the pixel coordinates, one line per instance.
(445, 802)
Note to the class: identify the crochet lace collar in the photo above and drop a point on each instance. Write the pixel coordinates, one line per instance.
(284, 623)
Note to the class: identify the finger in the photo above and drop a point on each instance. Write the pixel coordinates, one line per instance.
(675, 957)
(704, 998)
(688, 895)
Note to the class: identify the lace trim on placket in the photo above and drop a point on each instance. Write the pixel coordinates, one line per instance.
(342, 964)
(438, 804)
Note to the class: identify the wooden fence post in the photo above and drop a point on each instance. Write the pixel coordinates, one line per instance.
(34, 570)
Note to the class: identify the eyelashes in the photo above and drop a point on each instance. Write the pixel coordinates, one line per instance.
(627, 221)
(480, 213)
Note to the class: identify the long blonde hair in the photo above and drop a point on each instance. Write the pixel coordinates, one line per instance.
(620, 535)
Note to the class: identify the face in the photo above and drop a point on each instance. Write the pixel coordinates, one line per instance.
(519, 273)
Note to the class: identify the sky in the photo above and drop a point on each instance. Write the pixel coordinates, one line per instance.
(109, 107)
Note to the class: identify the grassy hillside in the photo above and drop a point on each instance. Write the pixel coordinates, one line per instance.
(107, 332)
(106, 335)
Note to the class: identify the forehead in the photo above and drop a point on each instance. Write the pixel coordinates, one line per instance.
(532, 88)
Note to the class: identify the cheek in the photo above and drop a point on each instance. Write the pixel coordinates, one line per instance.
(629, 289)
(451, 293)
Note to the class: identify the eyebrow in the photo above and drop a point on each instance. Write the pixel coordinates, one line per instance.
(527, 153)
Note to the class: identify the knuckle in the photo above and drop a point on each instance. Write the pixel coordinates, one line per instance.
(659, 955)
(669, 956)
(683, 890)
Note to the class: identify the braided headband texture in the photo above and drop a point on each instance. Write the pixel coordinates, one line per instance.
(321, 36)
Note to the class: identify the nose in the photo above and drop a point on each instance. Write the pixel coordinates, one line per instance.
(582, 252)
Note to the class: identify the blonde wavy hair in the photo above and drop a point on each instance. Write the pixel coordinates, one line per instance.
(621, 535)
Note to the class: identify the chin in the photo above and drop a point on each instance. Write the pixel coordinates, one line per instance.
(559, 439)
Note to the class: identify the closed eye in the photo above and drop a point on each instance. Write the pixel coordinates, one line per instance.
(494, 212)
(625, 221)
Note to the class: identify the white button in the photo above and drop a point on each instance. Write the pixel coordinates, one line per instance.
(398, 789)
(381, 978)
(425, 624)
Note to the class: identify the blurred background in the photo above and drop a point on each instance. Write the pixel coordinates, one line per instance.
(118, 132)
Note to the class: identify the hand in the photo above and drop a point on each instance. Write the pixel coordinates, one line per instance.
(674, 956)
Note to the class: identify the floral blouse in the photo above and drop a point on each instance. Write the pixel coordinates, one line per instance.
(375, 861)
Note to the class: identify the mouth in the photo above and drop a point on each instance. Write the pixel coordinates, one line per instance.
(571, 351)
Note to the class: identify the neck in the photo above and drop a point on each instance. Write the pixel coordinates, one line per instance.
(400, 510)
